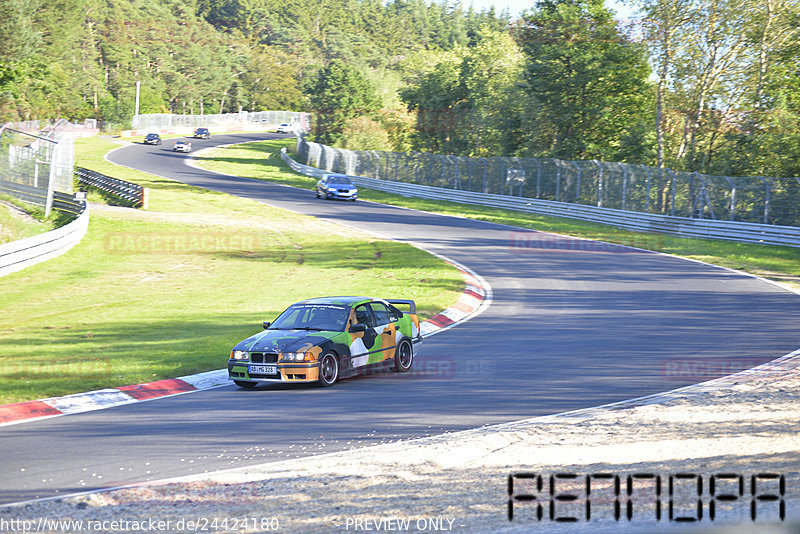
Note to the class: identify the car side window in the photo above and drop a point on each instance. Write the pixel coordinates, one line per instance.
(382, 314)
(395, 312)
(363, 315)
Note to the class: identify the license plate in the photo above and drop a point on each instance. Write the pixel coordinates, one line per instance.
(262, 369)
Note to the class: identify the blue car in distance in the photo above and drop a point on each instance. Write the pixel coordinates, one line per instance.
(337, 186)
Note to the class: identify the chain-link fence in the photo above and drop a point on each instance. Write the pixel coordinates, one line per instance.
(36, 159)
(243, 119)
(611, 185)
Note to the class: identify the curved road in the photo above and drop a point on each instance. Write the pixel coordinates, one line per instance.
(570, 327)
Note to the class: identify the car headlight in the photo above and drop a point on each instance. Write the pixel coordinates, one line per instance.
(240, 355)
(297, 356)
(332, 189)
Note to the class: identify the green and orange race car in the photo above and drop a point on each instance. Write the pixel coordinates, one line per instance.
(326, 339)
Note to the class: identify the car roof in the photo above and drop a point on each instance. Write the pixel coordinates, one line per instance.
(342, 301)
(334, 175)
(151, 135)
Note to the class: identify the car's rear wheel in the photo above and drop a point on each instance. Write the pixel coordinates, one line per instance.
(328, 369)
(246, 385)
(403, 357)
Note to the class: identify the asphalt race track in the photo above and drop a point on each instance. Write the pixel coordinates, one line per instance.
(570, 327)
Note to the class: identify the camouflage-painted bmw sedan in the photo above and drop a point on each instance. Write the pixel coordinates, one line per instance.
(323, 340)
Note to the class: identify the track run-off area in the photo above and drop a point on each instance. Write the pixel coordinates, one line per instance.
(569, 327)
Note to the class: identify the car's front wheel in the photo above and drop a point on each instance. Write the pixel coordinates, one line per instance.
(246, 385)
(403, 357)
(328, 369)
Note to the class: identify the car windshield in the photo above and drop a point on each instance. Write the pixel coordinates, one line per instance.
(339, 180)
(312, 317)
(152, 136)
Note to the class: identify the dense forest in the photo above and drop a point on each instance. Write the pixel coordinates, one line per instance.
(711, 85)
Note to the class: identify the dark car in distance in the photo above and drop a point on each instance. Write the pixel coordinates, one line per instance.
(152, 139)
(202, 133)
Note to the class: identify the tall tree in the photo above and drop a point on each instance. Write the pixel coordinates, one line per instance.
(338, 94)
(666, 23)
(587, 81)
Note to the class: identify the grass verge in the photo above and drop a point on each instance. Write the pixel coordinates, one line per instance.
(262, 161)
(168, 291)
(16, 225)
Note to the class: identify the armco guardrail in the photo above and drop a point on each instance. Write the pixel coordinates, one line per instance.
(643, 222)
(17, 255)
(38, 196)
(135, 194)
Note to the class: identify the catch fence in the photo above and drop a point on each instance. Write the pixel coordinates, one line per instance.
(227, 121)
(36, 161)
(620, 186)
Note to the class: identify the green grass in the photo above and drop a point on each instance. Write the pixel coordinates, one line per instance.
(168, 291)
(257, 160)
(14, 227)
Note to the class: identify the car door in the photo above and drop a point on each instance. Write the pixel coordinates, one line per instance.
(364, 344)
(385, 319)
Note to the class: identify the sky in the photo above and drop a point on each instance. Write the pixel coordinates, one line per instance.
(517, 6)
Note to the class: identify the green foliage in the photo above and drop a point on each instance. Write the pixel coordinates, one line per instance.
(566, 80)
(468, 100)
(435, 96)
(587, 82)
(363, 133)
(272, 81)
(339, 94)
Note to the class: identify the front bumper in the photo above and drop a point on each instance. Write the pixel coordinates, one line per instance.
(287, 372)
(337, 195)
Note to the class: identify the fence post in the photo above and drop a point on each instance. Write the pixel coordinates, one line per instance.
(674, 188)
(694, 190)
(485, 174)
(577, 183)
(766, 199)
(624, 184)
(599, 183)
(50, 184)
(733, 199)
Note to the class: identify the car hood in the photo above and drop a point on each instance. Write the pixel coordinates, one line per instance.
(284, 340)
(342, 186)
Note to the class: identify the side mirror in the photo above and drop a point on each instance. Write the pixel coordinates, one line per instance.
(266, 324)
(358, 327)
